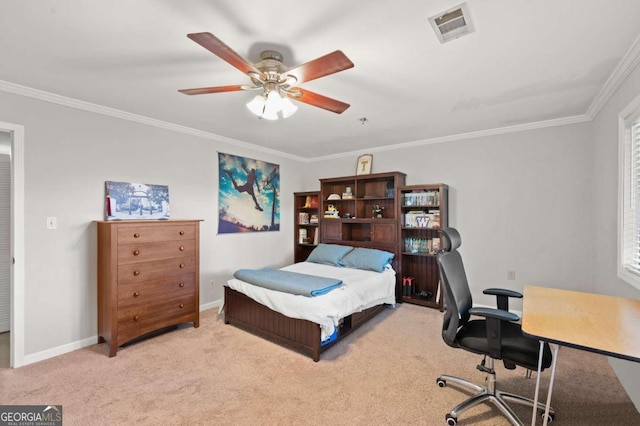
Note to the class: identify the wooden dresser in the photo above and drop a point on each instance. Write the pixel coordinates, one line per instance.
(148, 277)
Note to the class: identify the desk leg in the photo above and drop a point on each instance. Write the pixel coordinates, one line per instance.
(553, 374)
(535, 398)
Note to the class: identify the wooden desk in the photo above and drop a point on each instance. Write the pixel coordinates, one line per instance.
(592, 322)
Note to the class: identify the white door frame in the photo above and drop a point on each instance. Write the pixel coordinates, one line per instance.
(17, 242)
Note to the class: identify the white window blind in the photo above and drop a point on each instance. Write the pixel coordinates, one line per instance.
(630, 253)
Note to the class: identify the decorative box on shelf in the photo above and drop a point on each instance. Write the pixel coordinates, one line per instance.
(311, 202)
(331, 212)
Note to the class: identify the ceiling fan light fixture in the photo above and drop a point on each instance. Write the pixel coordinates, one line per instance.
(288, 108)
(256, 105)
(270, 114)
(272, 105)
(268, 105)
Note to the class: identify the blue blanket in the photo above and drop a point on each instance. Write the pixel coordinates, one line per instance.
(288, 282)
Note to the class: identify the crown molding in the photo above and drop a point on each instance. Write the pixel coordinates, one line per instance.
(41, 95)
(462, 136)
(626, 65)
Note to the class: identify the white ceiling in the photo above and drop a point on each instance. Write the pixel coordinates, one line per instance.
(527, 62)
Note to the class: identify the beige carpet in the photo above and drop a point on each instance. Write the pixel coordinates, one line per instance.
(383, 374)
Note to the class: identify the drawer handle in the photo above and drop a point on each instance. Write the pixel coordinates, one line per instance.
(181, 232)
(136, 235)
(136, 252)
(136, 273)
(181, 285)
(136, 318)
(181, 248)
(136, 294)
(182, 265)
(181, 305)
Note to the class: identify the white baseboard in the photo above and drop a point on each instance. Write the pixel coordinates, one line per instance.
(79, 344)
(59, 350)
(211, 305)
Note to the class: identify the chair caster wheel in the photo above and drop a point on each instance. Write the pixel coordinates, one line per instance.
(550, 417)
(441, 383)
(451, 421)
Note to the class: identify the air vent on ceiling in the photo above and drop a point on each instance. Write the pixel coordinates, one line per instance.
(452, 23)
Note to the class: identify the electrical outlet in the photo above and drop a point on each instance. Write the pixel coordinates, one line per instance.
(511, 274)
(52, 222)
(212, 283)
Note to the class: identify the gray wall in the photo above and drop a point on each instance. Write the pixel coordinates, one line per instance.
(69, 154)
(521, 201)
(605, 208)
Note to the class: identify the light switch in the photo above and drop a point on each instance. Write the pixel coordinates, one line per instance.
(52, 222)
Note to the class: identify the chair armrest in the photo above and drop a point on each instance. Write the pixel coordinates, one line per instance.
(494, 320)
(498, 314)
(502, 296)
(503, 292)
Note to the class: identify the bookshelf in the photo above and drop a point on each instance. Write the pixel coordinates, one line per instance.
(423, 210)
(362, 211)
(306, 224)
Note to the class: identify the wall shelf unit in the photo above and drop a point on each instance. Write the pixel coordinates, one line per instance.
(362, 211)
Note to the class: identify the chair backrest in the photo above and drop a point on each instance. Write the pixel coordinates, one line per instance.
(454, 282)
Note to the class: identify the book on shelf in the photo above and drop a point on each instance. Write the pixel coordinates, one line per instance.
(435, 244)
(313, 219)
(315, 237)
(303, 218)
(425, 198)
(302, 236)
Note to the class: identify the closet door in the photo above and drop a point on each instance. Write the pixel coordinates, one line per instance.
(5, 241)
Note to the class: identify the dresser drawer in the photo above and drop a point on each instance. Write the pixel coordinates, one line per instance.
(134, 233)
(154, 270)
(142, 314)
(141, 252)
(144, 292)
(137, 320)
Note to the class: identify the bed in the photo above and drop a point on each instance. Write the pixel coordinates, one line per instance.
(311, 325)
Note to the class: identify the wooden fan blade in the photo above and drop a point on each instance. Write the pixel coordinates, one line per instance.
(217, 47)
(325, 65)
(320, 101)
(217, 89)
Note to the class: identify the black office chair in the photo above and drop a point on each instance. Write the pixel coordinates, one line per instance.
(496, 336)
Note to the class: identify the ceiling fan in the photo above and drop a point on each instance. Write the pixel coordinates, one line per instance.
(277, 82)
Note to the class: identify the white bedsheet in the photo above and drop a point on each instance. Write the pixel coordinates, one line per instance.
(361, 290)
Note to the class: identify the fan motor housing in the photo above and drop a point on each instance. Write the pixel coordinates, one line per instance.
(271, 64)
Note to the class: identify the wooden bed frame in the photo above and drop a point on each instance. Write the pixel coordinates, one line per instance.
(297, 334)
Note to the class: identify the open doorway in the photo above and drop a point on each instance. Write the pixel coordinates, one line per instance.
(12, 147)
